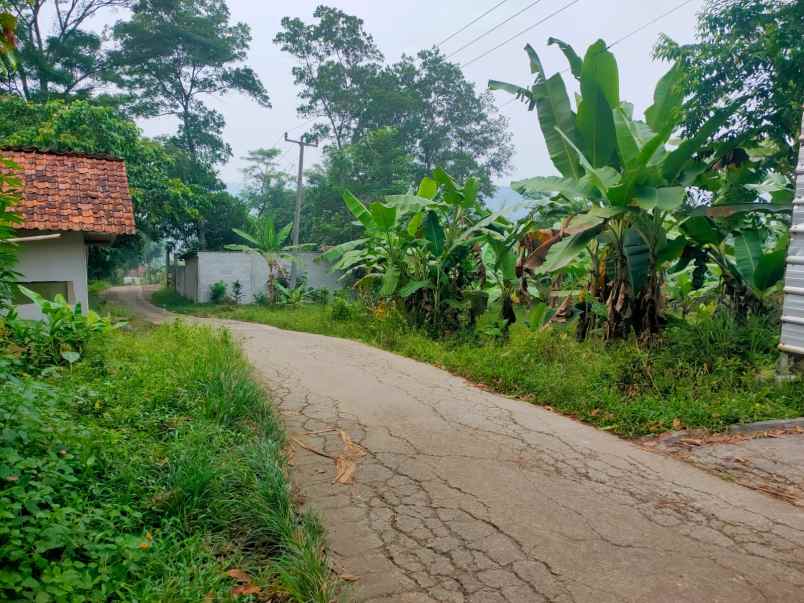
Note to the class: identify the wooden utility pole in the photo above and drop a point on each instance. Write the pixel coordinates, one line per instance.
(299, 200)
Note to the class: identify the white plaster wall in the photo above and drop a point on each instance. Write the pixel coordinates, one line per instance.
(187, 279)
(209, 267)
(62, 259)
(318, 273)
(248, 268)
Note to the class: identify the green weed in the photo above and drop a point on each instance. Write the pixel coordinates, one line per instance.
(708, 373)
(146, 472)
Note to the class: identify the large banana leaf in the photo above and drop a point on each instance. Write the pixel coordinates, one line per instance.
(666, 198)
(603, 178)
(747, 251)
(407, 203)
(390, 281)
(596, 127)
(428, 188)
(667, 100)
(563, 253)
(770, 269)
(600, 91)
(283, 234)
(637, 255)
(541, 185)
(675, 162)
(576, 63)
(554, 111)
(702, 230)
(628, 141)
(358, 210)
(334, 254)
(599, 71)
(384, 216)
(434, 233)
(414, 286)
(726, 211)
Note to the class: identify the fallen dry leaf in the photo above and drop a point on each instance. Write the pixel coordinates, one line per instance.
(311, 449)
(246, 589)
(350, 448)
(349, 577)
(239, 575)
(149, 538)
(344, 470)
(677, 424)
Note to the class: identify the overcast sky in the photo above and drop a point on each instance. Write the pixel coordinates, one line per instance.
(406, 26)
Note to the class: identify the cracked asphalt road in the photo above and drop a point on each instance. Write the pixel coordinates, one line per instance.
(469, 496)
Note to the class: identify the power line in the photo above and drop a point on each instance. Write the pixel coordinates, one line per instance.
(468, 25)
(651, 22)
(496, 27)
(643, 27)
(625, 37)
(524, 31)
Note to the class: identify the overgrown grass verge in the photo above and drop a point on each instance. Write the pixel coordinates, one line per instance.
(148, 472)
(709, 373)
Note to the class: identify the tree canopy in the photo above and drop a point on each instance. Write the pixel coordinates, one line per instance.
(59, 56)
(752, 49)
(172, 54)
(349, 91)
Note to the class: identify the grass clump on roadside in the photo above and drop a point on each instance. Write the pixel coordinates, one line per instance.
(151, 470)
(708, 372)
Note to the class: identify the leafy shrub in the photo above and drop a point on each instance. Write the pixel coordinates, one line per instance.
(217, 292)
(341, 309)
(144, 474)
(59, 538)
(237, 292)
(60, 338)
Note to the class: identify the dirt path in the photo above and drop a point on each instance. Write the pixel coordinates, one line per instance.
(463, 495)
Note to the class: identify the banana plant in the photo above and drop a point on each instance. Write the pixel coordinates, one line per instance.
(621, 178)
(420, 249)
(265, 240)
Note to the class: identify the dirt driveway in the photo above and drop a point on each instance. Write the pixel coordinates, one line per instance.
(456, 494)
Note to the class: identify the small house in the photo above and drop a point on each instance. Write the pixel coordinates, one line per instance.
(69, 202)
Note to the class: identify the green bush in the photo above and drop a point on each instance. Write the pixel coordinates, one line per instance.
(217, 292)
(58, 339)
(340, 309)
(712, 371)
(144, 473)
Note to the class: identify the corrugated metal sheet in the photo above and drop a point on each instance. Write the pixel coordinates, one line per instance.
(793, 313)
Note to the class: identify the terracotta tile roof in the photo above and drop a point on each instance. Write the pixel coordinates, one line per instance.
(65, 191)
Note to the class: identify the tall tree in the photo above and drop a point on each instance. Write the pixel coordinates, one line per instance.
(443, 121)
(337, 60)
(266, 184)
(439, 116)
(375, 166)
(173, 53)
(58, 55)
(752, 49)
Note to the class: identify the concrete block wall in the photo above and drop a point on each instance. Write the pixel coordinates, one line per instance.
(249, 269)
(194, 280)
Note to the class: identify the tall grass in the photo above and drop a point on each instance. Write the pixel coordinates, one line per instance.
(174, 470)
(710, 372)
